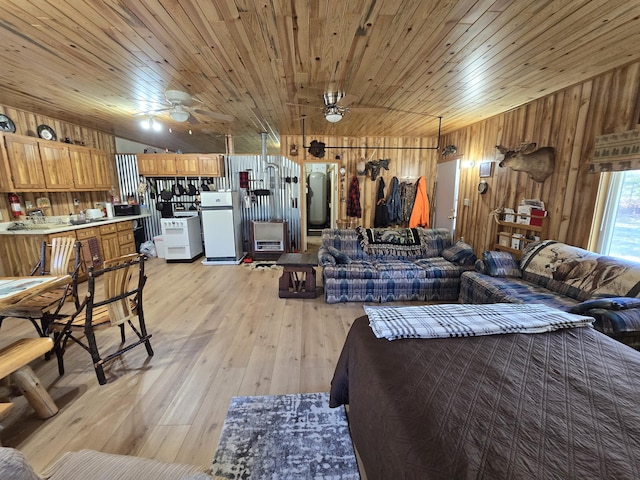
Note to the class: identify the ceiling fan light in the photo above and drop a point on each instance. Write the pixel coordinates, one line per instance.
(333, 116)
(179, 115)
(145, 123)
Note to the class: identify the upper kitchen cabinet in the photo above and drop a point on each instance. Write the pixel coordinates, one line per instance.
(211, 165)
(187, 165)
(24, 161)
(34, 164)
(101, 170)
(56, 164)
(182, 165)
(157, 164)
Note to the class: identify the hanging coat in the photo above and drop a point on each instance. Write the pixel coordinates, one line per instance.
(408, 196)
(380, 219)
(353, 201)
(420, 212)
(394, 204)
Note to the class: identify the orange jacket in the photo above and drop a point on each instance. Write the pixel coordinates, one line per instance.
(420, 212)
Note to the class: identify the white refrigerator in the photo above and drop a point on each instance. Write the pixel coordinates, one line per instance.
(221, 227)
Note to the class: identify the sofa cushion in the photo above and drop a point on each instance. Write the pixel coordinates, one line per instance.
(324, 257)
(438, 267)
(14, 465)
(434, 240)
(357, 269)
(479, 288)
(609, 303)
(340, 257)
(500, 264)
(398, 269)
(579, 273)
(460, 253)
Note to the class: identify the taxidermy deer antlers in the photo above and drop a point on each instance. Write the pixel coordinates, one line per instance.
(538, 164)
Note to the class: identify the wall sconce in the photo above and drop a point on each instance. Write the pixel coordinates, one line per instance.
(467, 164)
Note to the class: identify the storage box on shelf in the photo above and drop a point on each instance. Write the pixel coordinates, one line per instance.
(517, 230)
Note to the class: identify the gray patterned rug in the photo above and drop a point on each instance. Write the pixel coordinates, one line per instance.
(293, 436)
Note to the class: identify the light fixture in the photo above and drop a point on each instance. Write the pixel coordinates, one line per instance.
(151, 123)
(178, 114)
(333, 114)
(467, 163)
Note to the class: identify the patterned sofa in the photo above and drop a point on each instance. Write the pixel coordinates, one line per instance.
(566, 277)
(386, 264)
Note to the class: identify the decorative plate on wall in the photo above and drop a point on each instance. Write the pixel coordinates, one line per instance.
(46, 132)
(6, 124)
(483, 187)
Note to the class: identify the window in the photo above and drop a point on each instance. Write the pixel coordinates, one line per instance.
(619, 234)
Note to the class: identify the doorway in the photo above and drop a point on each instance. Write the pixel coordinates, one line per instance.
(321, 193)
(447, 185)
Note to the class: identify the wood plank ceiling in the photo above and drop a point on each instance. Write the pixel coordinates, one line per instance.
(267, 63)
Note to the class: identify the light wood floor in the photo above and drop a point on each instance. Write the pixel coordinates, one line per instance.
(218, 332)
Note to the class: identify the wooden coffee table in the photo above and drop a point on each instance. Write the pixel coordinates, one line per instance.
(298, 279)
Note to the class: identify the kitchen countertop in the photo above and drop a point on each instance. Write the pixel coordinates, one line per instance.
(66, 227)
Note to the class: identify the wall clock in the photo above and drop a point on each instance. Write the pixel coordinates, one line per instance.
(6, 124)
(46, 132)
(483, 187)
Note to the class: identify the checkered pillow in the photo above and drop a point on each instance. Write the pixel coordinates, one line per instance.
(460, 253)
(501, 264)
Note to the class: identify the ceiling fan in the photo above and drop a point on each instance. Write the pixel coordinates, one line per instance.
(180, 108)
(336, 105)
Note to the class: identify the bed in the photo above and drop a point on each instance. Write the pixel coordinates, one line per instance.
(564, 404)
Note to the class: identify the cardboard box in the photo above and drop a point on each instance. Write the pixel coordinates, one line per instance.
(517, 241)
(509, 216)
(530, 215)
(504, 239)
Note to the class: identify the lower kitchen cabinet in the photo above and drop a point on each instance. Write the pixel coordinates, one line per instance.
(19, 253)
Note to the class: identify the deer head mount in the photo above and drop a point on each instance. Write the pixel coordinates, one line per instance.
(538, 163)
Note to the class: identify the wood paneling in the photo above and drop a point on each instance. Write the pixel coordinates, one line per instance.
(268, 63)
(567, 120)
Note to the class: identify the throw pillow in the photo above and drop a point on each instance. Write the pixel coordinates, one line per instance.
(341, 257)
(501, 264)
(480, 267)
(325, 258)
(460, 253)
(15, 466)
(610, 303)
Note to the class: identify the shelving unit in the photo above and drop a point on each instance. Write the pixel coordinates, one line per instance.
(510, 232)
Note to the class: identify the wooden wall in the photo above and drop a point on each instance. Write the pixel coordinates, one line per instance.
(567, 120)
(407, 165)
(61, 203)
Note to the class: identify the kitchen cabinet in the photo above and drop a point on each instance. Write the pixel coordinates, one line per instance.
(56, 165)
(211, 165)
(32, 164)
(187, 165)
(126, 240)
(101, 170)
(157, 164)
(109, 241)
(181, 165)
(24, 161)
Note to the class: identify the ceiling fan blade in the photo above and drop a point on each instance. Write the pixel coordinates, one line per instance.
(218, 116)
(193, 120)
(152, 112)
(347, 99)
(306, 105)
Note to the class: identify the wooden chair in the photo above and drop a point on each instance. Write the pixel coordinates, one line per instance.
(60, 257)
(118, 305)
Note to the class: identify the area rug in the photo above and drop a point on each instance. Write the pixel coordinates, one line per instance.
(293, 436)
(262, 265)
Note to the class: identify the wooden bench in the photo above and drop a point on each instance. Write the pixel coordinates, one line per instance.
(14, 361)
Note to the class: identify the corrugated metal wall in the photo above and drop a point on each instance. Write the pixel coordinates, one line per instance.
(261, 208)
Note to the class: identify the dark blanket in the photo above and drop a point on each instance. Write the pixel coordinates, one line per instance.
(390, 241)
(564, 404)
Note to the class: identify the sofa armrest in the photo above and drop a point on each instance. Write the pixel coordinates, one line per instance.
(607, 303)
(324, 257)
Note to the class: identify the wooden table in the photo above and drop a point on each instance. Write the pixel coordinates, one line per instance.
(15, 290)
(15, 358)
(298, 279)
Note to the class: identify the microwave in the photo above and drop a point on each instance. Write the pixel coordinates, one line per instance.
(126, 209)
